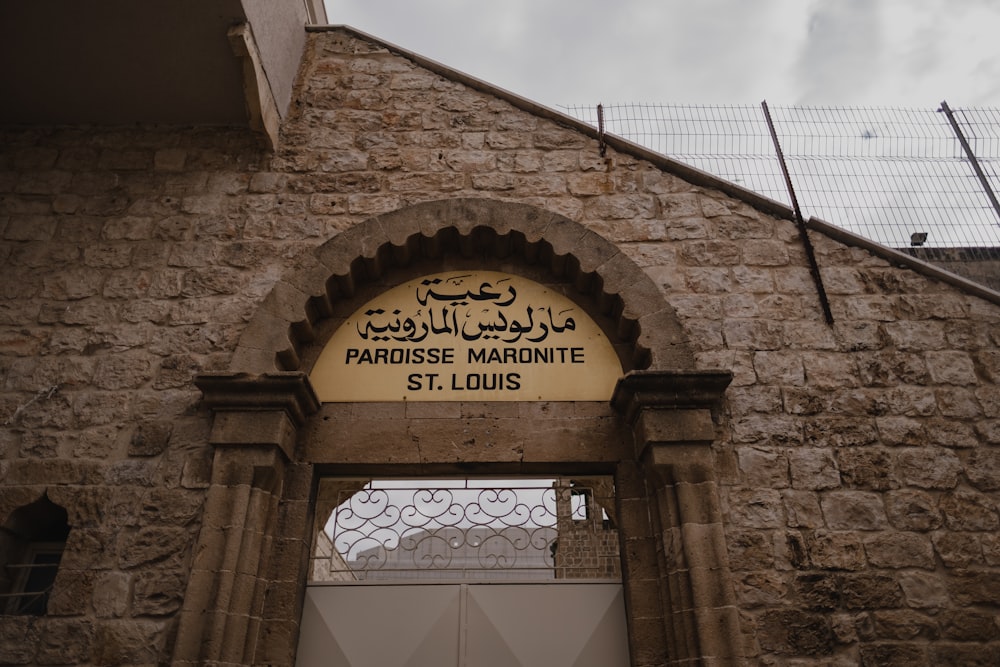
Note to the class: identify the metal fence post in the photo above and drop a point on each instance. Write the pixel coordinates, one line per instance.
(972, 157)
(799, 220)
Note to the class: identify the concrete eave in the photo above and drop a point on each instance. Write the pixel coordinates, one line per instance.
(156, 62)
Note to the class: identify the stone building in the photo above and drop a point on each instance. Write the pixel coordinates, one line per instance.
(790, 489)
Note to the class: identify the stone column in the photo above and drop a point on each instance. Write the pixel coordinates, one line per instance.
(256, 418)
(670, 414)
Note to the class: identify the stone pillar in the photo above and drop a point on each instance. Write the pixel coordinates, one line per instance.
(649, 639)
(670, 414)
(256, 418)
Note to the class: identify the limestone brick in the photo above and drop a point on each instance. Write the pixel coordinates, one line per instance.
(929, 468)
(813, 469)
(710, 253)
(710, 280)
(111, 594)
(752, 334)
(799, 401)
(972, 587)
(758, 589)
(918, 336)
(965, 510)
(802, 509)
(157, 593)
(685, 229)
(756, 508)
(952, 434)
(764, 253)
(952, 367)
(904, 624)
(780, 368)
(857, 510)
(989, 400)
(911, 401)
(964, 654)
(120, 641)
(750, 550)
(899, 550)
(72, 593)
(755, 280)
(983, 469)
(924, 590)
(958, 550)
(796, 632)
(764, 468)
(969, 625)
(819, 592)
(767, 429)
(872, 590)
(150, 545)
(894, 653)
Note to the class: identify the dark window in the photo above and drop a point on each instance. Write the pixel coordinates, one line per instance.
(31, 546)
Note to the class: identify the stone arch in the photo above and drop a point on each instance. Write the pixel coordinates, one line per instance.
(272, 437)
(287, 319)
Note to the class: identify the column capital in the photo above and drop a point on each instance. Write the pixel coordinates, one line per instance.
(262, 409)
(287, 391)
(639, 390)
(670, 407)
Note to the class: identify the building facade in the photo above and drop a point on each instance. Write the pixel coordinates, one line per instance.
(788, 490)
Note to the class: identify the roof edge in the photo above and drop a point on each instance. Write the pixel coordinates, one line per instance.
(687, 172)
(901, 258)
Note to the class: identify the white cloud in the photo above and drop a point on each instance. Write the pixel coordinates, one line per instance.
(844, 46)
(842, 52)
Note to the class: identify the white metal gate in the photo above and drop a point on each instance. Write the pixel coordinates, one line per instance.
(470, 573)
(464, 625)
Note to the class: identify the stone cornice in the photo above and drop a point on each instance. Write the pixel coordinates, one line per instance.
(668, 390)
(289, 392)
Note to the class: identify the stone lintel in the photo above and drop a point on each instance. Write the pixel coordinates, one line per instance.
(639, 390)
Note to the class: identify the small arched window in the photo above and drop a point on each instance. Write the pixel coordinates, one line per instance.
(32, 541)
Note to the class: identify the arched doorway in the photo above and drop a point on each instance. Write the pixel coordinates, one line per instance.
(274, 440)
(474, 571)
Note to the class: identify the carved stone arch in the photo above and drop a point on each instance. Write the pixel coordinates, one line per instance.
(287, 319)
(247, 582)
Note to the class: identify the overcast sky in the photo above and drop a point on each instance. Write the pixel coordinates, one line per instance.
(911, 53)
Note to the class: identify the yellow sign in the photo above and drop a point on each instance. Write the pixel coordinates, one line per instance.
(472, 336)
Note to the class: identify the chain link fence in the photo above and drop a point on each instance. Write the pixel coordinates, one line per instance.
(889, 174)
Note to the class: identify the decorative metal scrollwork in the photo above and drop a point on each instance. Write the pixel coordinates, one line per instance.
(543, 530)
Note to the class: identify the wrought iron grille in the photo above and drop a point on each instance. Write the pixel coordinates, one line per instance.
(33, 582)
(468, 529)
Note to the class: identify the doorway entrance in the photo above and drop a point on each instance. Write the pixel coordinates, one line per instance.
(476, 572)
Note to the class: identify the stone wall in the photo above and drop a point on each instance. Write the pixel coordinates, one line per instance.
(859, 463)
(122, 275)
